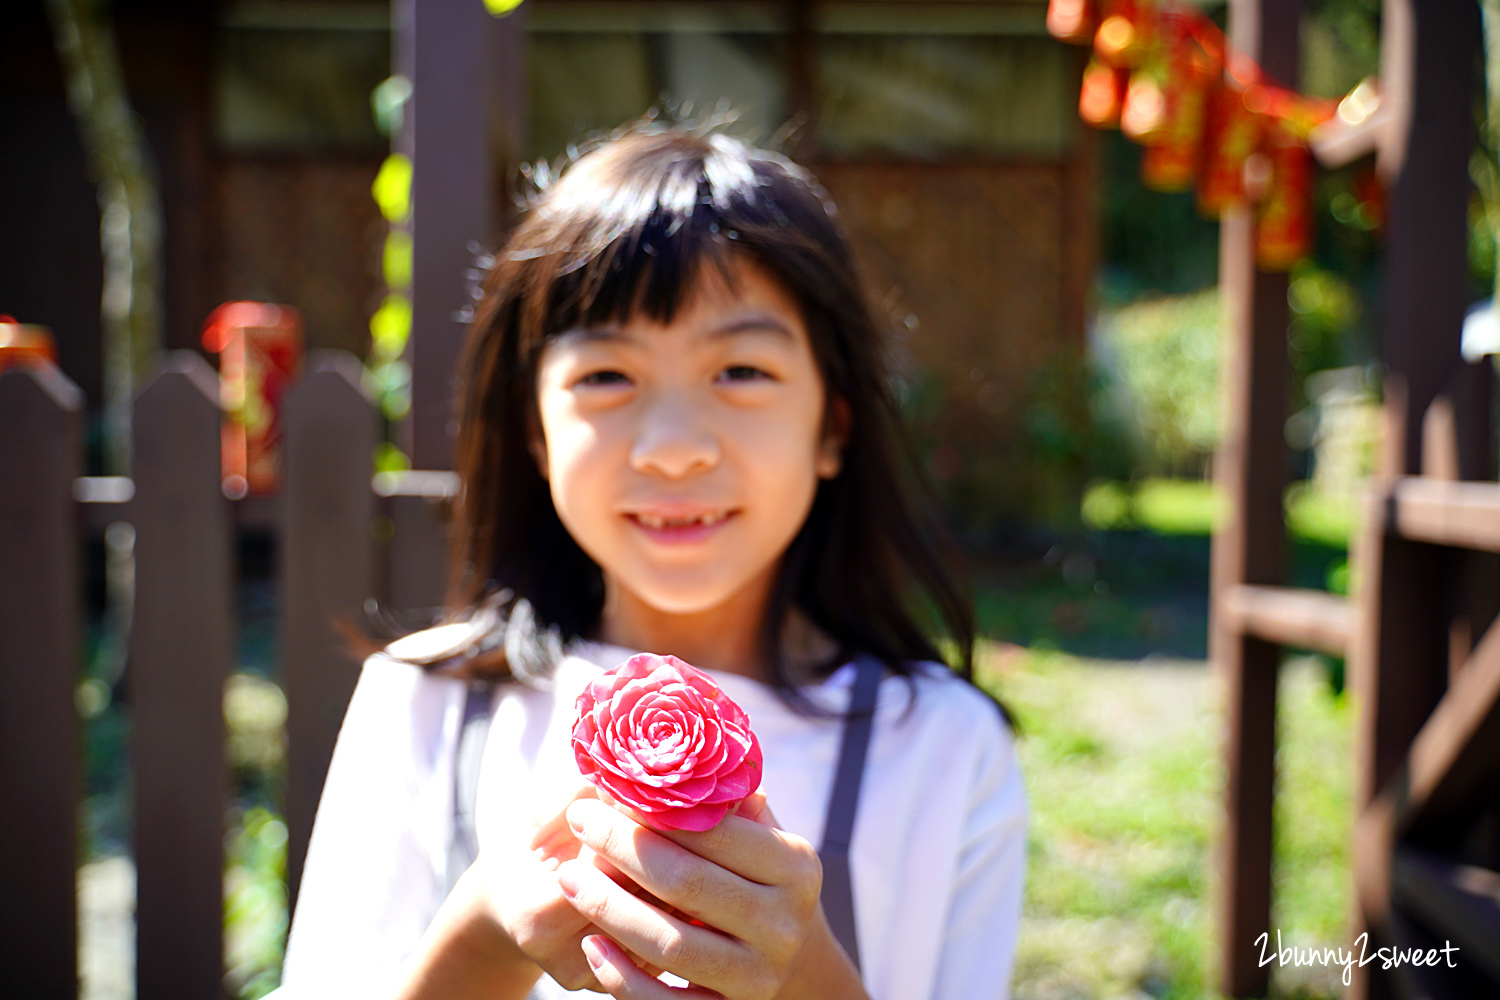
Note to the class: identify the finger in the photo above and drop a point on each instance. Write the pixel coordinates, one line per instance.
(621, 978)
(667, 942)
(746, 847)
(672, 874)
(755, 809)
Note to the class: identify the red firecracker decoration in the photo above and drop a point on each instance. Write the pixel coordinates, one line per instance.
(1072, 21)
(1172, 158)
(1124, 33)
(1102, 93)
(1233, 133)
(1284, 224)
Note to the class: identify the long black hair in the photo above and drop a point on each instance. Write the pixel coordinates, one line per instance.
(624, 229)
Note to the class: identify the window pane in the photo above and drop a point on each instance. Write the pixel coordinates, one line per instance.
(928, 95)
(597, 66)
(298, 76)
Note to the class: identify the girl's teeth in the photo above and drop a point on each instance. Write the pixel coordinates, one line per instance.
(653, 521)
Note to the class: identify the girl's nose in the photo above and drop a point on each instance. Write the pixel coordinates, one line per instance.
(673, 441)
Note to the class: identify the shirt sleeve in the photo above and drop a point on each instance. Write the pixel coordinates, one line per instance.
(374, 873)
(984, 917)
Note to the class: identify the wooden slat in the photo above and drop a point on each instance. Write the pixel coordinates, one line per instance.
(327, 572)
(1399, 669)
(1457, 514)
(1453, 768)
(444, 50)
(181, 651)
(39, 659)
(1289, 616)
(1336, 143)
(1461, 903)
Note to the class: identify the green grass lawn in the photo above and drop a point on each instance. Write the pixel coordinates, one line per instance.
(1124, 774)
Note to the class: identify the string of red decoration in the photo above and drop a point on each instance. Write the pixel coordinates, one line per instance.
(1210, 119)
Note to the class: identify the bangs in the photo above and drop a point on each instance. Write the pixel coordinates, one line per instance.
(630, 227)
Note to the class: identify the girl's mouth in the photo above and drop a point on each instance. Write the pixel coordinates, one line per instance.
(680, 529)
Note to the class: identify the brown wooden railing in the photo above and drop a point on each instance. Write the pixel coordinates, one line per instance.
(330, 561)
(1424, 655)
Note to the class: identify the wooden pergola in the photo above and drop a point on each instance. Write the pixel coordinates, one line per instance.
(1423, 668)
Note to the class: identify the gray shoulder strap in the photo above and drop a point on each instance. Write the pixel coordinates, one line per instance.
(463, 847)
(838, 827)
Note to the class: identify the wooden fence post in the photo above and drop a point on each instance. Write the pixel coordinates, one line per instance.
(39, 660)
(327, 571)
(182, 648)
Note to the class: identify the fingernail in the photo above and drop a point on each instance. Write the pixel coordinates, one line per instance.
(593, 950)
(567, 880)
(573, 820)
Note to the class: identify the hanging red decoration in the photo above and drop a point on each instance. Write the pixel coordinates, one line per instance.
(1284, 224)
(1207, 114)
(1072, 21)
(1102, 94)
(1124, 32)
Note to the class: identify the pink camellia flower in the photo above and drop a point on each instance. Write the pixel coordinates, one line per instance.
(661, 737)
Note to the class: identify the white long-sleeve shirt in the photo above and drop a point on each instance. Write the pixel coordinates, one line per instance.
(937, 856)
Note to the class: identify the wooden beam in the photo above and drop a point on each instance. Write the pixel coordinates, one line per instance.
(1461, 903)
(1457, 514)
(1453, 770)
(1288, 616)
(1399, 665)
(40, 784)
(1249, 548)
(1336, 143)
(445, 50)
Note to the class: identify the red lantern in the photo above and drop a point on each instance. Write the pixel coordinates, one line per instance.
(260, 351)
(25, 344)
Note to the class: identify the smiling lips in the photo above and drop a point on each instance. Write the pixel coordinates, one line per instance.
(680, 528)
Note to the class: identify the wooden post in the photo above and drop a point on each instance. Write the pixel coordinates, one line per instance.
(182, 648)
(1399, 663)
(327, 572)
(1249, 547)
(39, 659)
(444, 50)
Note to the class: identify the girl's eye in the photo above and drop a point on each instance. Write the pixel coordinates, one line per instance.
(743, 373)
(604, 378)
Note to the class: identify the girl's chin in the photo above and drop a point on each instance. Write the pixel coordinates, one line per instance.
(685, 600)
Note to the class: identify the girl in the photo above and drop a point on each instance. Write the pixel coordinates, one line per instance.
(676, 435)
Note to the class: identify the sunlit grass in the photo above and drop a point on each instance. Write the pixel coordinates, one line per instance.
(1124, 773)
(1192, 507)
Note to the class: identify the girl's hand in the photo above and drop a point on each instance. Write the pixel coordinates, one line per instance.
(524, 899)
(739, 911)
(507, 921)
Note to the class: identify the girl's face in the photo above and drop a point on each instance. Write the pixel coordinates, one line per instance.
(683, 458)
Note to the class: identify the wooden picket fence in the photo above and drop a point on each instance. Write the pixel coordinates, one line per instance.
(182, 648)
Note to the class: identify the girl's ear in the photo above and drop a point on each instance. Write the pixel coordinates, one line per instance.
(836, 426)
